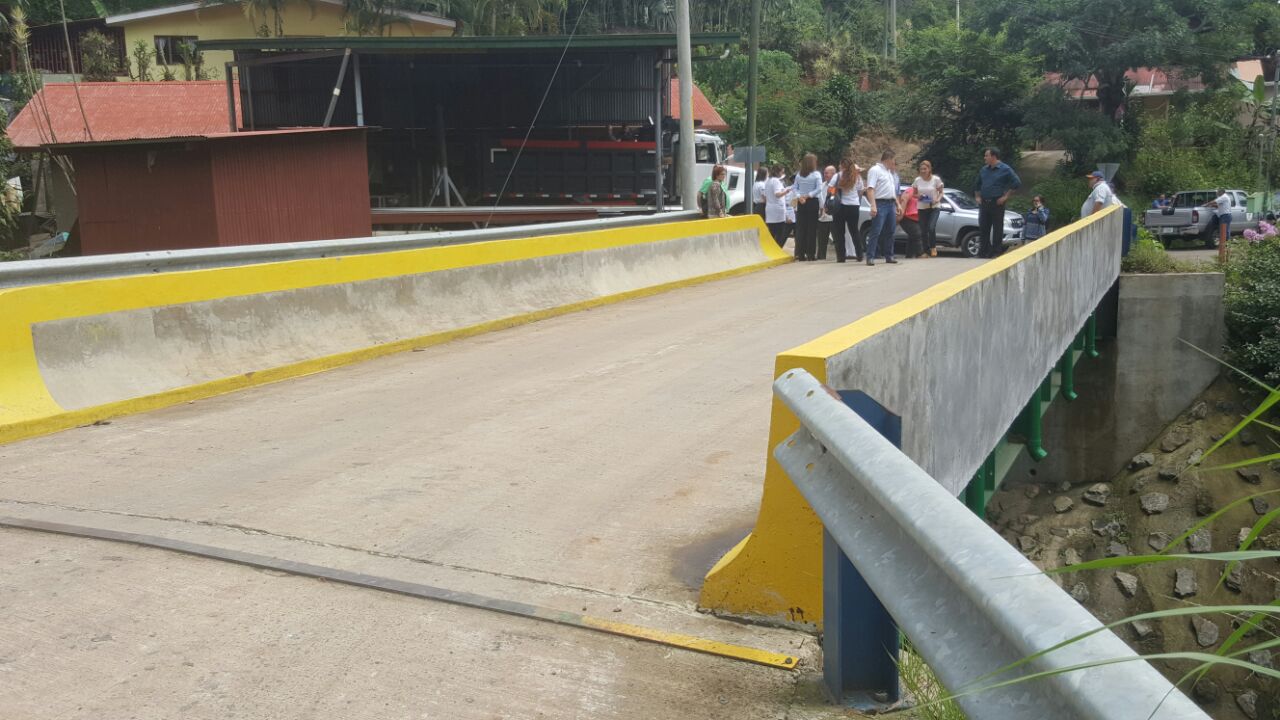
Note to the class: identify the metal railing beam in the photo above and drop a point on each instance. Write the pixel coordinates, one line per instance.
(968, 601)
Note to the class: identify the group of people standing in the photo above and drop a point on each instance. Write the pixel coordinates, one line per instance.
(825, 206)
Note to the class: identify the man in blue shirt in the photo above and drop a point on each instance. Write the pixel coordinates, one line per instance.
(996, 182)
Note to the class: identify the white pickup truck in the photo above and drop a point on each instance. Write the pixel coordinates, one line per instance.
(1189, 216)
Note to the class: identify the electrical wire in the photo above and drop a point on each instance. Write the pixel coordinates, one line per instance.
(545, 93)
(71, 61)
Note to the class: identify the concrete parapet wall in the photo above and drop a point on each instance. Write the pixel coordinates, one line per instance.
(1144, 379)
(957, 363)
(76, 352)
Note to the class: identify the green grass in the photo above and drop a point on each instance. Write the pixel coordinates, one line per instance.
(923, 686)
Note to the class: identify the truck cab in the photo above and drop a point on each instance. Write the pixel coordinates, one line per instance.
(710, 150)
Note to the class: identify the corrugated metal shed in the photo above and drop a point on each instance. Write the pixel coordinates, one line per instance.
(222, 189)
(117, 112)
(475, 91)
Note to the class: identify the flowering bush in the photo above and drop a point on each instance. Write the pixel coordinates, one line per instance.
(1265, 231)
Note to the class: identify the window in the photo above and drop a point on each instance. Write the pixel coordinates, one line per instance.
(1195, 199)
(961, 199)
(705, 154)
(169, 48)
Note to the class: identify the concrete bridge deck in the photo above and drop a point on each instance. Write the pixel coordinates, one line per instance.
(597, 462)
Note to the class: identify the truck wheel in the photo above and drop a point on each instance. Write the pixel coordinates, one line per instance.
(970, 244)
(1210, 237)
(739, 209)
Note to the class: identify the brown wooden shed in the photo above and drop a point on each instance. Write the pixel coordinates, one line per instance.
(156, 169)
(219, 190)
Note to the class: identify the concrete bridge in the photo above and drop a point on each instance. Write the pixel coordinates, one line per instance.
(397, 420)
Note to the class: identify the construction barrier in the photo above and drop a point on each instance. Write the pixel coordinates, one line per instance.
(954, 364)
(73, 353)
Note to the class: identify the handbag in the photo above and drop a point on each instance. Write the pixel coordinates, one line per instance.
(832, 203)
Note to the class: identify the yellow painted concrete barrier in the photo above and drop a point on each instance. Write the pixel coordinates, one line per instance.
(77, 352)
(945, 361)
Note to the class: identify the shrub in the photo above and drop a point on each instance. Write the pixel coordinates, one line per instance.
(98, 57)
(1148, 257)
(1253, 308)
(1062, 195)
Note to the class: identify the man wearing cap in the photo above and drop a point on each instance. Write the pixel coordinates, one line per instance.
(996, 182)
(1100, 195)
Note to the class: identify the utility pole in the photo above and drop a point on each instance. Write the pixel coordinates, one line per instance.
(891, 30)
(885, 54)
(1271, 126)
(957, 15)
(684, 59)
(753, 80)
(894, 38)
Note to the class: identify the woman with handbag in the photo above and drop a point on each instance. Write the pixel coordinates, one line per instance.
(928, 194)
(717, 199)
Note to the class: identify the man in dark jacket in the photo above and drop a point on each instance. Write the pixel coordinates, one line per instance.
(996, 182)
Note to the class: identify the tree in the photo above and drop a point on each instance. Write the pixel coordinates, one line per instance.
(1088, 136)
(792, 118)
(1083, 39)
(144, 56)
(962, 91)
(98, 62)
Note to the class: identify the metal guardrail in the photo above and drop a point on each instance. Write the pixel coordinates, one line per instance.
(968, 601)
(37, 272)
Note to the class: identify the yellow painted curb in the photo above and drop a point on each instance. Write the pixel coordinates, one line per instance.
(28, 410)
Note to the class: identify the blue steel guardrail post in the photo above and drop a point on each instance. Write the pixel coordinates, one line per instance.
(968, 601)
(860, 640)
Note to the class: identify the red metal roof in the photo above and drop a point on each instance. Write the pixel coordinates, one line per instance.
(1145, 81)
(704, 113)
(122, 111)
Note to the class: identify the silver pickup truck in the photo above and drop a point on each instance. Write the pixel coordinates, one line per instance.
(1189, 216)
(957, 224)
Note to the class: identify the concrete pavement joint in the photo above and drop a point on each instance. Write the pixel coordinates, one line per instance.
(692, 643)
(365, 551)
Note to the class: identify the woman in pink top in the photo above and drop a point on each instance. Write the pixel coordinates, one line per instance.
(909, 221)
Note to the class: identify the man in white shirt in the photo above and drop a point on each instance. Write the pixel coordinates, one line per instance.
(824, 218)
(1100, 195)
(882, 194)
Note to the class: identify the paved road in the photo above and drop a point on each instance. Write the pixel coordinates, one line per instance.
(597, 462)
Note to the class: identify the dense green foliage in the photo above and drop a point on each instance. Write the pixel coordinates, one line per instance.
(98, 57)
(794, 115)
(1079, 38)
(1199, 145)
(1253, 308)
(962, 93)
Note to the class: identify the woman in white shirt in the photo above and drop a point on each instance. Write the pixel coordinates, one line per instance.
(849, 186)
(928, 189)
(808, 189)
(757, 191)
(775, 213)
